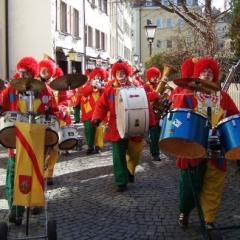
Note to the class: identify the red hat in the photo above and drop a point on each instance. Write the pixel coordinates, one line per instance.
(30, 64)
(120, 65)
(46, 63)
(97, 71)
(187, 67)
(16, 75)
(58, 73)
(205, 63)
(152, 71)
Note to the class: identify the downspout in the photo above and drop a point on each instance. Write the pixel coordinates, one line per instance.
(6, 39)
(84, 36)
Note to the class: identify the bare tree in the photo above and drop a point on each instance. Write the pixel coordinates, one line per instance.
(203, 22)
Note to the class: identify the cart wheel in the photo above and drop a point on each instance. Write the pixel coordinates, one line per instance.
(215, 235)
(3, 231)
(52, 230)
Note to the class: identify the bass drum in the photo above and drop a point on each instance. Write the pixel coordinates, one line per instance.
(7, 131)
(184, 133)
(132, 112)
(228, 131)
(67, 137)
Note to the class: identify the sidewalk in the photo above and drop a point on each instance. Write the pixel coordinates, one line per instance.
(86, 206)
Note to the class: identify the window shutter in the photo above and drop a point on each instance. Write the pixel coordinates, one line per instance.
(68, 19)
(72, 23)
(58, 11)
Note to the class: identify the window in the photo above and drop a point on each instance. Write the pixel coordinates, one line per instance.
(179, 22)
(63, 17)
(189, 2)
(169, 23)
(165, 2)
(75, 23)
(159, 23)
(90, 37)
(97, 39)
(159, 43)
(169, 43)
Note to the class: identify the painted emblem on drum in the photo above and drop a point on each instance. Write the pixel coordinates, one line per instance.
(176, 123)
(25, 184)
(133, 95)
(136, 123)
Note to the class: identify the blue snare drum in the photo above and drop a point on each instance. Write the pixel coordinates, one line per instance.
(184, 133)
(228, 131)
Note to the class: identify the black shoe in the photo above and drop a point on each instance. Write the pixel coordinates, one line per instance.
(49, 181)
(66, 153)
(130, 177)
(76, 122)
(97, 150)
(36, 210)
(16, 218)
(156, 158)
(122, 188)
(183, 220)
(90, 151)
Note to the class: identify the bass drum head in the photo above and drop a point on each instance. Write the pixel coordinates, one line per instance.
(8, 137)
(132, 112)
(68, 144)
(51, 138)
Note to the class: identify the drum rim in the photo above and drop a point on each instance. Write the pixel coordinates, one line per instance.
(235, 116)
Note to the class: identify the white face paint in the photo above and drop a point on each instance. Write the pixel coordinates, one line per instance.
(23, 73)
(206, 74)
(121, 76)
(154, 79)
(44, 73)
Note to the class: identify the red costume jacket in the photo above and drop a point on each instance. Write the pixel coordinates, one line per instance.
(106, 103)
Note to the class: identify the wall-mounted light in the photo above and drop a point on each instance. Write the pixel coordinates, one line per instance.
(72, 54)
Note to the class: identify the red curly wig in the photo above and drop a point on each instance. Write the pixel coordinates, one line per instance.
(120, 65)
(30, 64)
(205, 63)
(153, 71)
(96, 71)
(46, 63)
(187, 67)
(58, 73)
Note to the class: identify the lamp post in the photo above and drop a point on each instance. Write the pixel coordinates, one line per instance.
(150, 32)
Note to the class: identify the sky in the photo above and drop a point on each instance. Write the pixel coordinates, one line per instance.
(218, 4)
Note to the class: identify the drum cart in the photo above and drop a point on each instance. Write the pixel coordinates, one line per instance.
(50, 225)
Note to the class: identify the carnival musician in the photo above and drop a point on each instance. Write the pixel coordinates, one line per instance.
(152, 75)
(105, 104)
(91, 92)
(14, 100)
(211, 171)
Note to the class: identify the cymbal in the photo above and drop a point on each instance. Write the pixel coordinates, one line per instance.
(68, 81)
(24, 84)
(197, 84)
(2, 83)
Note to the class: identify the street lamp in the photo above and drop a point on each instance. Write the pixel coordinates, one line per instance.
(135, 58)
(150, 32)
(72, 54)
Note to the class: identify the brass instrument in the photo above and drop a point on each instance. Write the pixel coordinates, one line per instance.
(159, 106)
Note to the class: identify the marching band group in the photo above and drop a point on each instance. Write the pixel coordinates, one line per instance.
(96, 99)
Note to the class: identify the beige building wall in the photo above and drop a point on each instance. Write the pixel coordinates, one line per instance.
(3, 62)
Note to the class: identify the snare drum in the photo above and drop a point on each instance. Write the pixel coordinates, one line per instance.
(214, 149)
(7, 132)
(67, 137)
(52, 123)
(132, 112)
(184, 133)
(228, 130)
